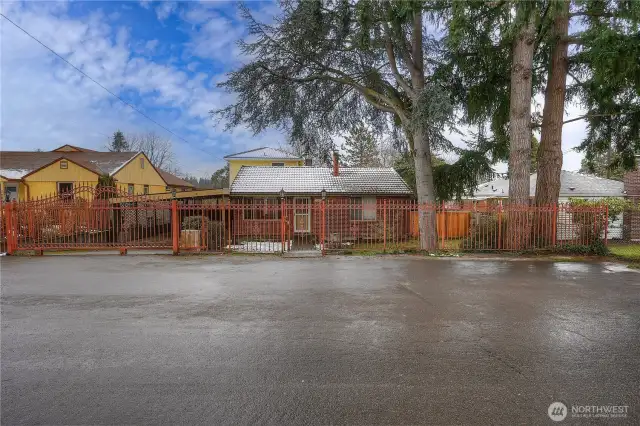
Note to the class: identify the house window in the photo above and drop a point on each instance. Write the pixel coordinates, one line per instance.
(10, 192)
(277, 164)
(142, 163)
(261, 208)
(130, 189)
(145, 189)
(363, 208)
(65, 189)
(64, 164)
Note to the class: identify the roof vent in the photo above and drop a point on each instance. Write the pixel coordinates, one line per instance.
(572, 188)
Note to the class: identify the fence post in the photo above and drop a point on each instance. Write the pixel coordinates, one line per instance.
(606, 224)
(384, 226)
(175, 228)
(324, 224)
(500, 226)
(555, 225)
(8, 223)
(444, 225)
(229, 229)
(282, 224)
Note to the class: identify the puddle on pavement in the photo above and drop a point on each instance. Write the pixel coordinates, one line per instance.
(571, 267)
(478, 268)
(612, 268)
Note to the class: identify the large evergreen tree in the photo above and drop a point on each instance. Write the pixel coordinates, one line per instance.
(327, 65)
(118, 142)
(602, 61)
(360, 148)
(220, 178)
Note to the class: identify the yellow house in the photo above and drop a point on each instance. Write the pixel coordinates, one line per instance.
(26, 175)
(264, 156)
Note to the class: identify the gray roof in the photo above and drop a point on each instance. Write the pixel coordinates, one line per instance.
(20, 163)
(583, 186)
(312, 180)
(264, 153)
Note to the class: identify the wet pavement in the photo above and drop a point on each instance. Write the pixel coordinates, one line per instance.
(374, 340)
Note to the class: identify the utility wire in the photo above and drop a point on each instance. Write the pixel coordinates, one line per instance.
(107, 90)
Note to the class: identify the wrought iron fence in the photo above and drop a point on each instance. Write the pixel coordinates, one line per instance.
(103, 218)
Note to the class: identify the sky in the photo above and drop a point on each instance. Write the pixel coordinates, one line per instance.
(165, 58)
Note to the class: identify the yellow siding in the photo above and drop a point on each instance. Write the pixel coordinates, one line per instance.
(133, 173)
(44, 183)
(138, 189)
(234, 165)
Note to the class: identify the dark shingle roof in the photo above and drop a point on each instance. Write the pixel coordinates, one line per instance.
(173, 180)
(265, 152)
(21, 163)
(312, 180)
(583, 186)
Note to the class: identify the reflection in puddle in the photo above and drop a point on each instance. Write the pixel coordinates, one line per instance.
(478, 268)
(571, 267)
(616, 267)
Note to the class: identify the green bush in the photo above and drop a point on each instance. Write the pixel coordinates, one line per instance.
(598, 248)
(484, 235)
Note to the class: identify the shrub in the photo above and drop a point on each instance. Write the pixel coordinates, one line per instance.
(597, 248)
(214, 230)
(485, 234)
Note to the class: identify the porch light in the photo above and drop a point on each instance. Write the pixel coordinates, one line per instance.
(282, 193)
(324, 194)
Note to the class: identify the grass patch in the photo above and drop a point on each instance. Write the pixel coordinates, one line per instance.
(626, 252)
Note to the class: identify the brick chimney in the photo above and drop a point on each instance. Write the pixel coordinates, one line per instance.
(336, 167)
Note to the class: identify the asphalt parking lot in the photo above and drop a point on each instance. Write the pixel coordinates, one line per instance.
(343, 340)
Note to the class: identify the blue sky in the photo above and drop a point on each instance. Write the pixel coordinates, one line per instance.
(163, 57)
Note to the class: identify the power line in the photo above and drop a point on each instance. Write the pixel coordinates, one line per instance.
(105, 89)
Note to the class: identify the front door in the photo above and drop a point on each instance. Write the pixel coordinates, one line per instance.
(301, 214)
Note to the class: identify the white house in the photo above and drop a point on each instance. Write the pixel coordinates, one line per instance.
(572, 185)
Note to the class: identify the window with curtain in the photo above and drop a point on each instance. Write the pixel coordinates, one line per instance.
(363, 208)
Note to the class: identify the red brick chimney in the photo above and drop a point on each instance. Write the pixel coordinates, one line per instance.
(336, 168)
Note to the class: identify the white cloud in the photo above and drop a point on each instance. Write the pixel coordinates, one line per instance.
(165, 10)
(45, 103)
(216, 39)
(151, 45)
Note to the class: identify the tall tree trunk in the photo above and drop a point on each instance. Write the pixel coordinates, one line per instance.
(550, 150)
(425, 190)
(422, 148)
(520, 134)
(520, 115)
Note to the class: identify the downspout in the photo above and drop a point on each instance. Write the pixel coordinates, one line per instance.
(28, 189)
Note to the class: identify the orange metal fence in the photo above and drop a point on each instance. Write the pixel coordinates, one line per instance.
(103, 218)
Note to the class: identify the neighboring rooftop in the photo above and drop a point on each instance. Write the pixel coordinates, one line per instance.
(17, 164)
(312, 180)
(572, 184)
(264, 153)
(173, 180)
